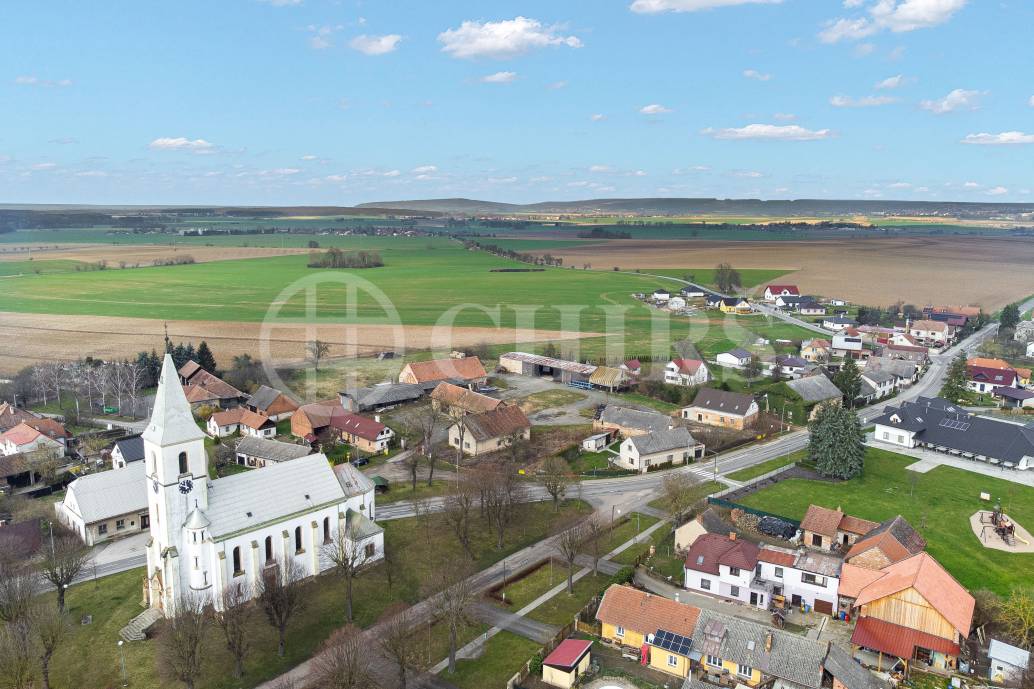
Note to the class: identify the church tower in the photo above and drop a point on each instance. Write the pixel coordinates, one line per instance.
(177, 476)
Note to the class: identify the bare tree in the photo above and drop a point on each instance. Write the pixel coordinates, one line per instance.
(17, 654)
(412, 464)
(235, 622)
(343, 662)
(39, 382)
(63, 558)
(450, 605)
(19, 585)
(182, 641)
(429, 422)
(396, 640)
(50, 629)
(348, 553)
(133, 381)
(594, 531)
(502, 495)
(458, 514)
(316, 350)
(280, 597)
(566, 544)
(678, 489)
(555, 478)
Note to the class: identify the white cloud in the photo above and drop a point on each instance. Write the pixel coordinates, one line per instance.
(863, 49)
(181, 143)
(91, 173)
(996, 191)
(499, 78)
(503, 39)
(899, 185)
(654, 109)
(33, 80)
(336, 178)
(771, 132)
(972, 185)
(64, 140)
(600, 168)
(557, 85)
(959, 99)
(322, 36)
(785, 116)
(655, 6)
(755, 74)
(639, 173)
(392, 173)
(540, 179)
(310, 157)
(1031, 102)
(864, 102)
(44, 166)
(1001, 139)
(425, 169)
(897, 16)
(502, 180)
(597, 117)
(375, 45)
(891, 82)
(285, 171)
(749, 174)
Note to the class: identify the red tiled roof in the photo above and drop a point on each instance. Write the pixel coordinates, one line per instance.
(856, 525)
(188, 369)
(357, 425)
(821, 520)
(568, 654)
(228, 417)
(633, 364)
(688, 366)
(254, 419)
(710, 550)
(468, 368)
(645, 613)
(854, 578)
(791, 289)
(11, 416)
(777, 557)
(204, 387)
(998, 376)
(897, 640)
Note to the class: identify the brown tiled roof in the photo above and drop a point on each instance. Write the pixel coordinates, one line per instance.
(204, 387)
(188, 369)
(11, 416)
(710, 550)
(854, 578)
(468, 368)
(357, 425)
(12, 465)
(645, 613)
(49, 427)
(822, 520)
(254, 419)
(895, 538)
(777, 557)
(857, 525)
(498, 423)
(228, 417)
(467, 400)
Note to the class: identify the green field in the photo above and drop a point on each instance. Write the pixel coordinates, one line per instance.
(938, 504)
(37, 267)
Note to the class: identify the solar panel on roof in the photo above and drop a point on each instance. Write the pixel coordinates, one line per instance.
(670, 641)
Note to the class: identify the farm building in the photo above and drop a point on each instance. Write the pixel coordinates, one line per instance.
(457, 401)
(380, 396)
(891, 541)
(721, 408)
(257, 452)
(204, 388)
(561, 371)
(489, 431)
(815, 391)
(1014, 398)
(609, 379)
(595, 443)
(271, 402)
(330, 420)
(11, 416)
(1009, 664)
(828, 529)
(628, 422)
(465, 371)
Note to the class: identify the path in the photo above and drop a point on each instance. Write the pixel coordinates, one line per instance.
(512, 622)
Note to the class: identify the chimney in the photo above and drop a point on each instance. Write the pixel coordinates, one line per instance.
(768, 642)
(732, 535)
(377, 418)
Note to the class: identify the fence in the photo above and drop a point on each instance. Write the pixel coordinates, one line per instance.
(761, 513)
(756, 480)
(575, 625)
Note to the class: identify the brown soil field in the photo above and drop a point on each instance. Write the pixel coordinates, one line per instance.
(989, 272)
(29, 338)
(138, 254)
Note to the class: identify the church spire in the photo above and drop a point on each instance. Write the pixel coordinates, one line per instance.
(171, 419)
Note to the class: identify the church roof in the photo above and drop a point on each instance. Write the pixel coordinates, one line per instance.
(245, 502)
(171, 420)
(196, 520)
(359, 527)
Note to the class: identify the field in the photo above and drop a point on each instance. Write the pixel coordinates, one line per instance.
(938, 504)
(63, 257)
(987, 271)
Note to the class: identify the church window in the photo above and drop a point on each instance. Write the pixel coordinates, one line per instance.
(237, 562)
(269, 549)
(298, 539)
(370, 549)
(326, 529)
(183, 463)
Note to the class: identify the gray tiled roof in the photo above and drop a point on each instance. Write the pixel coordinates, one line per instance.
(898, 367)
(271, 450)
(359, 527)
(660, 441)
(352, 481)
(723, 401)
(633, 418)
(132, 449)
(815, 388)
(792, 657)
(848, 672)
(386, 394)
(263, 397)
(877, 375)
(110, 493)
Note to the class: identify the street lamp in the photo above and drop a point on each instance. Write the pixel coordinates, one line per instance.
(122, 659)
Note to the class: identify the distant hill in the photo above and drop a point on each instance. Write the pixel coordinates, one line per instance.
(706, 206)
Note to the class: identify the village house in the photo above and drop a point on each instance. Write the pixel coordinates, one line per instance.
(811, 308)
(489, 431)
(35, 435)
(628, 422)
(773, 291)
(329, 420)
(379, 397)
(939, 425)
(931, 333)
(915, 612)
(632, 367)
(457, 401)
(832, 530)
(686, 372)
(915, 353)
(714, 407)
(661, 296)
(838, 323)
(466, 371)
(890, 541)
(876, 384)
(906, 372)
(1014, 398)
(723, 565)
(816, 350)
(242, 420)
(786, 366)
(734, 358)
(849, 344)
(203, 388)
(107, 505)
(271, 402)
(985, 379)
(252, 451)
(815, 391)
(675, 446)
(536, 365)
(627, 616)
(127, 450)
(735, 305)
(788, 302)
(11, 416)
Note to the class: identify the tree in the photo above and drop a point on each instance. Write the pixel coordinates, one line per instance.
(50, 628)
(752, 370)
(316, 350)
(181, 644)
(343, 662)
(458, 511)
(205, 359)
(19, 585)
(678, 492)
(411, 461)
(450, 605)
(235, 622)
(347, 552)
(63, 558)
(555, 478)
(17, 654)
(281, 599)
(837, 443)
(396, 640)
(849, 381)
(428, 422)
(566, 545)
(1010, 316)
(1015, 613)
(955, 384)
(726, 278)
(594, 531)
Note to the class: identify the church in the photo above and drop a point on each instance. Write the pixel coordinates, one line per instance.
(208, 535)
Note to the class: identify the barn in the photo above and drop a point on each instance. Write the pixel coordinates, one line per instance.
(561, 371)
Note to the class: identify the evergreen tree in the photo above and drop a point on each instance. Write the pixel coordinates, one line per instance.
(1010, 317)
(205, 357)
(954, 388)
(837, 443)
(849, 381)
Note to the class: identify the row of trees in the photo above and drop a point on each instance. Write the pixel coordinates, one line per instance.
(496, 250)
(336, 258)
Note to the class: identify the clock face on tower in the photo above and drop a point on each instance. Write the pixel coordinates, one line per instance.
(186, 485)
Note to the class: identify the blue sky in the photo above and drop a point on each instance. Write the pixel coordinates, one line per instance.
(340, 102)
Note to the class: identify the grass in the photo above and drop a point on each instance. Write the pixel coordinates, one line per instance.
(503, 656)
(645, 401)
(547, 399)
(765, 467)
(403, 490)
(589, 462)
(749, 277)
(938, 504)
(35, 267)
(625, 529)
(561, 608)
(700, 491)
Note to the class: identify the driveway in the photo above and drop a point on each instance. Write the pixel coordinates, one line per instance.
(565, 415)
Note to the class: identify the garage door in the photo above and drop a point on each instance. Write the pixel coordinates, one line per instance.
(823, 606)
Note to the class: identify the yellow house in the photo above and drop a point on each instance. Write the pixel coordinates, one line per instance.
(669, 652)
(629, 617)
(567, 663)
(734, 305)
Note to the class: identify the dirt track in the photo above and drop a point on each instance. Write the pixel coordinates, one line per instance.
(989, 272)
(29, 338)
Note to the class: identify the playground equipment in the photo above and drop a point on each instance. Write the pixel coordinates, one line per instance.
(998, 522)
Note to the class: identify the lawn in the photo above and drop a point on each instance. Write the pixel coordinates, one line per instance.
(938, 504)
(770, 465)
(503, 656)
(403, 490)
(34, 267)
(561, 608)
(548, 399)
(700, 491)
(626, 527)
